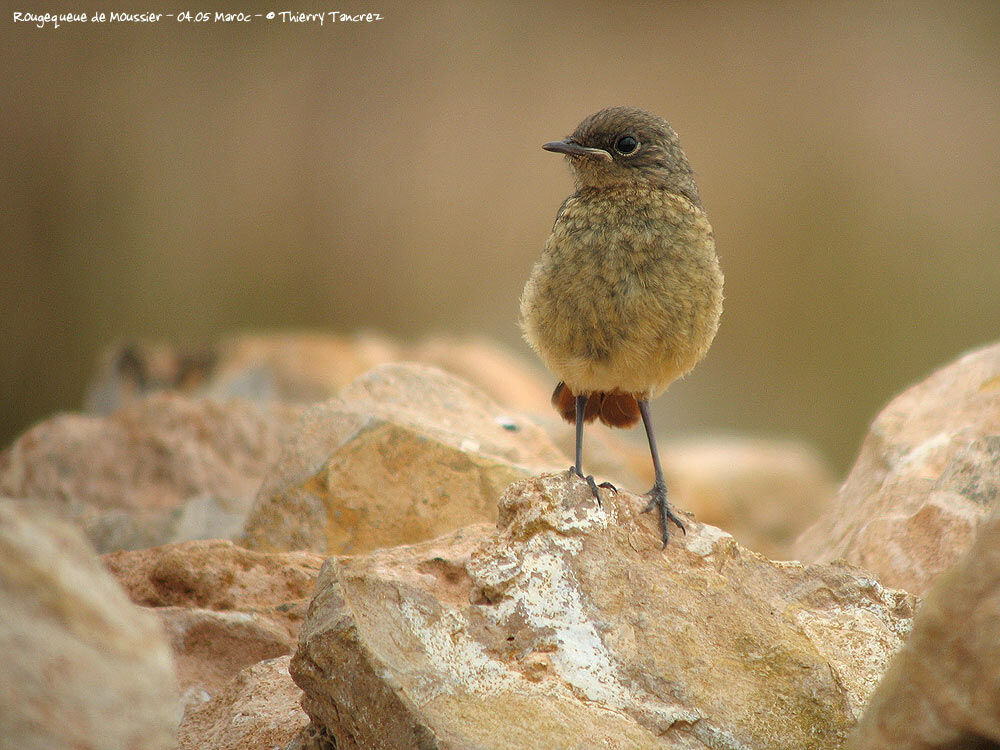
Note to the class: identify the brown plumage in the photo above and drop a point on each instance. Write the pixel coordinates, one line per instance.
(627, 294)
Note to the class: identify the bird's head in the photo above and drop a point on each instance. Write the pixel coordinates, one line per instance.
(627, 146)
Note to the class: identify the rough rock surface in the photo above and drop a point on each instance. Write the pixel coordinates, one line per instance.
(569, 627)
(303, 367)
(82, 666)
(405, 453)
(763, 492)
(223, 608)
(259, 708)
(163, 468)
(941, 688)
(928, 475)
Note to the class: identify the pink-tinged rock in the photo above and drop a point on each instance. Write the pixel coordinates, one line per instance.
(763, 492)
(941, 688)
(258, 708)
(506, 378)
(567, 625)
(927, 477)
(305, 367)
(159, 469)
(83, 667)
(223, 608)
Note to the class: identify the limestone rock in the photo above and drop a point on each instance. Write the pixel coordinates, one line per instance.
(763, 492)
(223, 608)
(83, 667)
(159, 468)
(405, 453)
(567, 626)
(259, 708)
(304, 367)
(928, 475)
(941, 688)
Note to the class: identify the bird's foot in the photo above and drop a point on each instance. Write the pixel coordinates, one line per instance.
(589, 479)
(658, 499)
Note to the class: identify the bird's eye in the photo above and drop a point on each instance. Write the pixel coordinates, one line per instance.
(626, 145)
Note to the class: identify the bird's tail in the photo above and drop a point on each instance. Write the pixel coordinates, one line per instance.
(614, 409)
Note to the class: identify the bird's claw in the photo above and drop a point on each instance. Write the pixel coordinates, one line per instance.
(589, 479)
(658, 499)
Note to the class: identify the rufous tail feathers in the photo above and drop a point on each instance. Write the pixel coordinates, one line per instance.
(614, 409)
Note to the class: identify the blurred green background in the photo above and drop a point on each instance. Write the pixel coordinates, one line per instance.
(185, 181)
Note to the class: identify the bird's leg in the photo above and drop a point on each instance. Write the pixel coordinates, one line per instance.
(658, 495)
(577, 468)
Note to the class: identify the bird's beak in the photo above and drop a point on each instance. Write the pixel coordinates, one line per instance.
(572, 148)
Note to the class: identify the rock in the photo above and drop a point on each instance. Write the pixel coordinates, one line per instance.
(259, 708)
(927, 477)
(405, 453)
(297, 367)
(83, 666)
(941, 688)
(132, 370)
(159, 469)
(210, 647)
(567, 626)
(507, 379)
(223, 608)
(301, 367)
(763, 492)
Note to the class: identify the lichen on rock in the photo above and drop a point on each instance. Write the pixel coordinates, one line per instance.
(567, 626)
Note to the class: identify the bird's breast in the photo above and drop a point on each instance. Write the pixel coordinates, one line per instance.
(629, 246)
(627, 288)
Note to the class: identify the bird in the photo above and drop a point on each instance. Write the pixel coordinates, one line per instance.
(627, 293)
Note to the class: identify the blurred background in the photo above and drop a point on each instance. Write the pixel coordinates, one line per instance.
(181, 182)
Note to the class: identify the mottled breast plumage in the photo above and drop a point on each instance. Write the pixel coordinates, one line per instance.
(628, 291)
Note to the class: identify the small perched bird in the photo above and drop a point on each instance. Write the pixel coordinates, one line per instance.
(627, 294)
